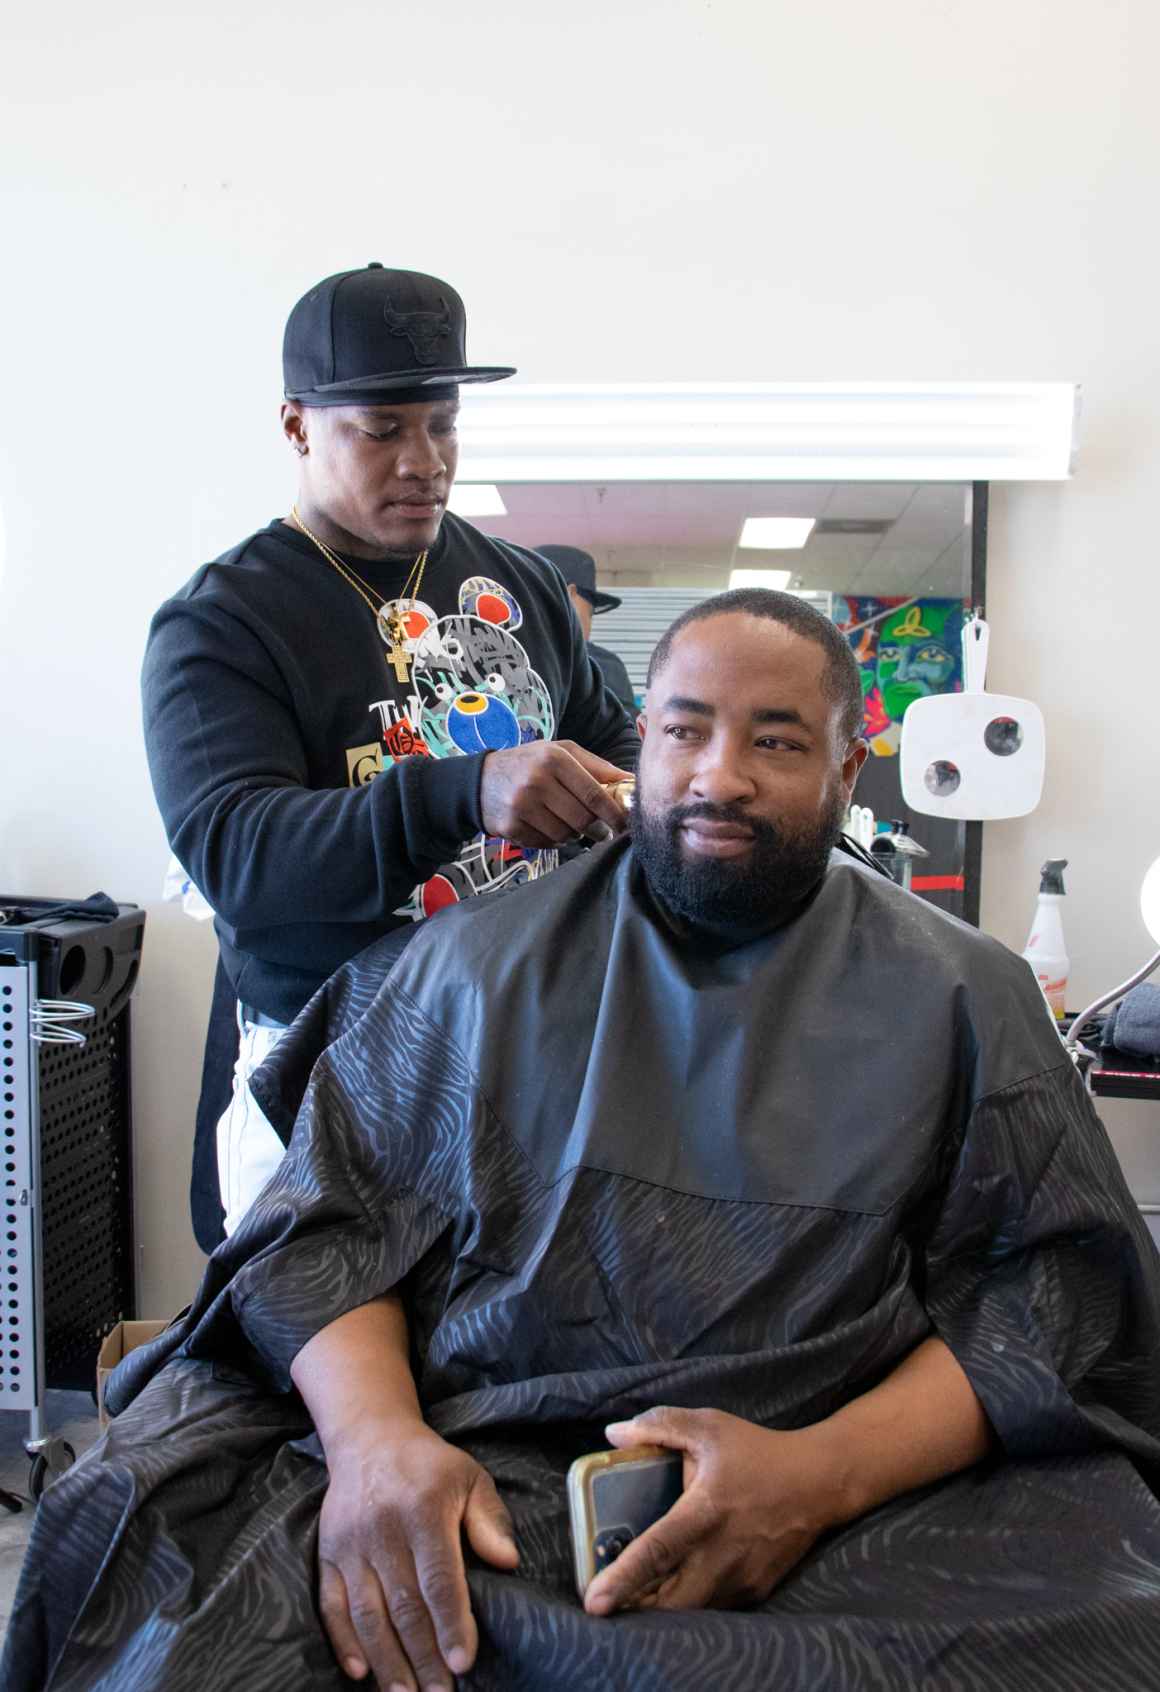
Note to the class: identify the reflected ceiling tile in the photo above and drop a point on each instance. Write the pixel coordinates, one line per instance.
(869, 499)
(689, 531)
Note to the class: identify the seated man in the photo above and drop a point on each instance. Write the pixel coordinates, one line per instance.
(729, 1145)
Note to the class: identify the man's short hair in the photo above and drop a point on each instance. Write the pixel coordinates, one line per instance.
(841, 678)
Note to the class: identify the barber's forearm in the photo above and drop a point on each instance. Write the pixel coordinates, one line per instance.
(921, 1423)
(355, 1375)
(268, 853)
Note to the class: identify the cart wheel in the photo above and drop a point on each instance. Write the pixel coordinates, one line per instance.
(40, 1474)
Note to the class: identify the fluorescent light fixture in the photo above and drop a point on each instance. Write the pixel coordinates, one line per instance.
(476, 499)
(770, 432)
(776, 534)
(760, 578)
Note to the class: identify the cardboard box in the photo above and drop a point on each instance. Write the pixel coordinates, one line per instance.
(123, 1339)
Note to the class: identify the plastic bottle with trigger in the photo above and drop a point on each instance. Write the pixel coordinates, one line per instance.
(1045, 950)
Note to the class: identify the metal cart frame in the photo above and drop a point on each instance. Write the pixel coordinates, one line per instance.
(23, 1380)
(67, 1271)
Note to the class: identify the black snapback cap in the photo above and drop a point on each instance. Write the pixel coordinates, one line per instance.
(375, 332)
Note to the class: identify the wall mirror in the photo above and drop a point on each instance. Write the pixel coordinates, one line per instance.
(888, 482)
(894, 563)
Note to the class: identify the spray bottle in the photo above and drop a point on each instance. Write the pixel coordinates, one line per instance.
(1045, 950)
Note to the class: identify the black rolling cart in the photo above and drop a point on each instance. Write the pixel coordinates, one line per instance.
(67, 974)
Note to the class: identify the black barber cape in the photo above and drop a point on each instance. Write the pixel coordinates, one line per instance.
(612, 1169)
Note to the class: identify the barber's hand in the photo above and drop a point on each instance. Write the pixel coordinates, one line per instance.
(392, 1587)
(550, 791)
(754, 1502)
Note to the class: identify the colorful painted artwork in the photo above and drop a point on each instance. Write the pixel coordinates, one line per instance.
(906, 649)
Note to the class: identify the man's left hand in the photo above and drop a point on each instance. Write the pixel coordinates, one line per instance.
(754, 1503)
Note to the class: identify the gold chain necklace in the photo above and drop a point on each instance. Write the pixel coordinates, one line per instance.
(391, 624)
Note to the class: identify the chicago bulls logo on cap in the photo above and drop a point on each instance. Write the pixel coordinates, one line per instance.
(424, 329)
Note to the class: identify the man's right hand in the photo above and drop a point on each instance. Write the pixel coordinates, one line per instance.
(392, 1584)
(550, 791)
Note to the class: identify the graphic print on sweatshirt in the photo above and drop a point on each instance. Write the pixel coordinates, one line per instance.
(472, 689)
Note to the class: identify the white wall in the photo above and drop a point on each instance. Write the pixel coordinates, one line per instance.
(745, 188)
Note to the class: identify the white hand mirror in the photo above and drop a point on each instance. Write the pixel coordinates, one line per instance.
(973, 756)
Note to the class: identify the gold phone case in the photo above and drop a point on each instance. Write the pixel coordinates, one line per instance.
(580, 1507)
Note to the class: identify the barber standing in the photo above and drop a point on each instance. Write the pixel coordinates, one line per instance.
(367, 710)
(578, 569)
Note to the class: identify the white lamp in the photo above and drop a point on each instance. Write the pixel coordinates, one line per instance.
(1150, 911)
(1150, 901)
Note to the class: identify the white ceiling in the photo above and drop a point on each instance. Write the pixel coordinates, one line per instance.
(685, 533)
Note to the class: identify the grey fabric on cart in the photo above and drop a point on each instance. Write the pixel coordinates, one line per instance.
(1134, 1024)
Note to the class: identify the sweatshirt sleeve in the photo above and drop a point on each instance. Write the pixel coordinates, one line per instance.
(230, 772)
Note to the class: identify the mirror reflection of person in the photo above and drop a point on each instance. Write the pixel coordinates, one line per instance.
(716, 1139)
(578, 569)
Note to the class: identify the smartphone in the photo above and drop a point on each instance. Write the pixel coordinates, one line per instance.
(615, 1495)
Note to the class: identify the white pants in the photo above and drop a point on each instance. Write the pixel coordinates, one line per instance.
(248, 1149)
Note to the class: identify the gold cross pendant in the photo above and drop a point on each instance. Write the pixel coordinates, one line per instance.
(400, 661)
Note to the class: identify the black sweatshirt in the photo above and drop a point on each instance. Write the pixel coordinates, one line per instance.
(278, 741)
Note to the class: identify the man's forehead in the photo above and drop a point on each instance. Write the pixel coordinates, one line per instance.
(756, 648)
(408, 408)
(745, 664)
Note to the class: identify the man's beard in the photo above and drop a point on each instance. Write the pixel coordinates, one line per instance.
(756, 891)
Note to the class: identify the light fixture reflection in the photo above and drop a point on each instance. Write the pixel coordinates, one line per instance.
(760, 578)
(775, 534)
(476, 499)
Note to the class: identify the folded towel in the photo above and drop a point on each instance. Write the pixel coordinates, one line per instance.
(1134, 1025)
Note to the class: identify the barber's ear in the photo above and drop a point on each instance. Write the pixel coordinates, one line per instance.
(294, 428)
(640, 725)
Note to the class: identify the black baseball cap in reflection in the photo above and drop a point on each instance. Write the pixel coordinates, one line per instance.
(579, 568)
(378, 335)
